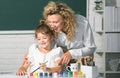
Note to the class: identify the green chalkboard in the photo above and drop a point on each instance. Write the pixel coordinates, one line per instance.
(25, 14)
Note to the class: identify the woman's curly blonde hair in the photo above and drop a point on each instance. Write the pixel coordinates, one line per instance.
(66, 12)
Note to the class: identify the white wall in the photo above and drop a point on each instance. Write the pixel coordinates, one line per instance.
(12, 49)
(99, 58)
(118, 3)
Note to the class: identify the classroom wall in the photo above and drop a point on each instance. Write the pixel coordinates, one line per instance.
(12, 49)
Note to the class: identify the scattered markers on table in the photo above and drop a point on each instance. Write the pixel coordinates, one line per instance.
(76, 74)
(68, 74)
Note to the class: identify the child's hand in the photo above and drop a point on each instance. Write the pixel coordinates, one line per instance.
(43, 67)
(57, 62)
(21, 71)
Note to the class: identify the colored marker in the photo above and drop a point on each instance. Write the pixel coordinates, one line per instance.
(38, 68)
(70, 74)
(41, 74)
(31, 75)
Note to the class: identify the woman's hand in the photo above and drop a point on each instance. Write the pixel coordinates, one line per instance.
(21, 71)
(25, 57)
(65, 59)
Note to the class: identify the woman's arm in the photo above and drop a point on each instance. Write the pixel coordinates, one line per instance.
(88, 42)
(23, 69)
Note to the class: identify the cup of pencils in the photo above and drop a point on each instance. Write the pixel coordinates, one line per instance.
(88, 67)
(88, 61)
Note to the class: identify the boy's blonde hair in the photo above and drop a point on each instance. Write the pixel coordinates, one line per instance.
(66, 12)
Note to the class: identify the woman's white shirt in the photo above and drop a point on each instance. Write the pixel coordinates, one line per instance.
(36, 57)
(83, 43)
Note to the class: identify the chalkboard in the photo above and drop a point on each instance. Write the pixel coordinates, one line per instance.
(25, 14)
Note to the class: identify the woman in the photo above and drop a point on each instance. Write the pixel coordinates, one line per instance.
(72, 31)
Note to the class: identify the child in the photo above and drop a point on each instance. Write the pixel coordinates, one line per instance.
(45, 54)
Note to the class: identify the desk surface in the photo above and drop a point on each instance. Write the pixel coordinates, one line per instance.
(14, 76)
